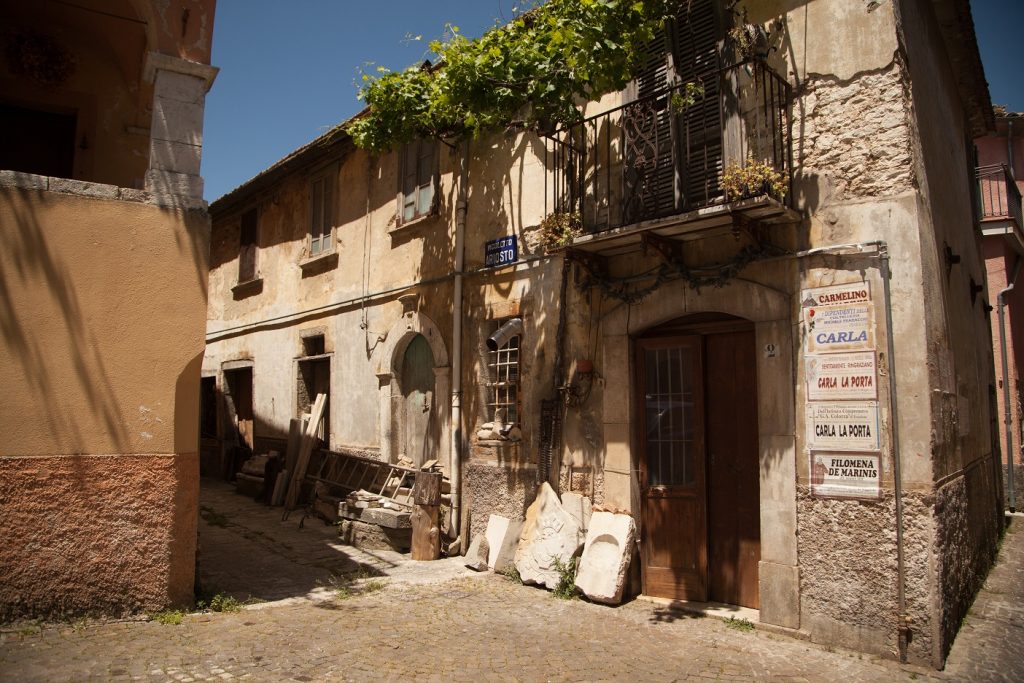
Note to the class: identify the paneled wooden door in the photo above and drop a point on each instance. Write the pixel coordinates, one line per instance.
(671, 417)
(698, 458)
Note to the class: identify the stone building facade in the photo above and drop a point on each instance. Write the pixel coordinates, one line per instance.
(103, 269)
(1000, 159)
(791, 392)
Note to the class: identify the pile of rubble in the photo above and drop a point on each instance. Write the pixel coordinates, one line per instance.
(552, 535)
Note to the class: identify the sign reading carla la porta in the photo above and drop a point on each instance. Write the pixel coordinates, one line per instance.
(843, 426)
(846, 475)
(838, 318)
(841, 376)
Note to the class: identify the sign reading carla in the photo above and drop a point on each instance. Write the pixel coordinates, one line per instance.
(838, 318)
(846, 475)
(843, 426)
(841, 376)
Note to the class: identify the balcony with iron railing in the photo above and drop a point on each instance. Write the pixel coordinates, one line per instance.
(668, 161)
(999, 198)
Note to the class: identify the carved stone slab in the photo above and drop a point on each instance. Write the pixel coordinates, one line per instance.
(604, 566)
(549, 534)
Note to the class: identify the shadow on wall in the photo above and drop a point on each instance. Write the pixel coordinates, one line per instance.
(37, 255)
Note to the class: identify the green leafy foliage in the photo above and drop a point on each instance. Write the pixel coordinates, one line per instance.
(529, 72)
(566, 587)
(559, 229)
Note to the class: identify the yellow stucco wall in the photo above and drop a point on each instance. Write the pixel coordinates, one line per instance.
(101, 308)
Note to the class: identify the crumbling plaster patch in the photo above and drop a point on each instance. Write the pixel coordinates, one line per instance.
(854, 137)
(498, 490)
(848, 575)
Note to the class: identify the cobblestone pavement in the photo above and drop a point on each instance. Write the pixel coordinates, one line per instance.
(414, 625)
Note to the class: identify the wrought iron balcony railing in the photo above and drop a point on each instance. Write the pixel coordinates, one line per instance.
(665, 153)
(999, 196)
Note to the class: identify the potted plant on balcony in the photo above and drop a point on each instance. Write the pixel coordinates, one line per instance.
(753, 179)
(559, 229)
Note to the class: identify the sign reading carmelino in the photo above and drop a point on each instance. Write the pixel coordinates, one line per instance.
(843, 426)
(838, 318)
(841, 376)
(836, 295)
(846, 475)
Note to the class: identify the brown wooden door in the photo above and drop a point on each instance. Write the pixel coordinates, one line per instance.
(698, 459)
(674, 532)
(733, 503)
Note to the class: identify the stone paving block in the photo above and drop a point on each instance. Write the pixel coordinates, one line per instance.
(550, 535)
(502, 540)
(604, 566)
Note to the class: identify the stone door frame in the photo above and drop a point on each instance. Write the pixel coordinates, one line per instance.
(389, 376)
(770, 310)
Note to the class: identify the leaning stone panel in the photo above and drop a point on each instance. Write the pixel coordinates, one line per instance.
(604, 567)
(550, 535)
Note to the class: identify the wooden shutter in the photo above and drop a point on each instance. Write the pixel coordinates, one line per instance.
(247, 246)
(697, 59)
(674, 162)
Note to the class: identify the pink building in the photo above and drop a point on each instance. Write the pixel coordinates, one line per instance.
(1000, 160)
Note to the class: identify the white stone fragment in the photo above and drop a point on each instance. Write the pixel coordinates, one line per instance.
(502, 540)
(607, 552)
(550, 534)
(579, 507)
(476, 556)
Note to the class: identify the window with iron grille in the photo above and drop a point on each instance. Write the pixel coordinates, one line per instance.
(503, 389)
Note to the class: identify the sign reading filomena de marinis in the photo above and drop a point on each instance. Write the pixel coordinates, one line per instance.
(846, 475)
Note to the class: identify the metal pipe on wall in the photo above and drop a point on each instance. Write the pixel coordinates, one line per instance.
(461, 207)
(1007, 414)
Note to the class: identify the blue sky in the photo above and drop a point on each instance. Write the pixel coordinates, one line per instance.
(289, 69)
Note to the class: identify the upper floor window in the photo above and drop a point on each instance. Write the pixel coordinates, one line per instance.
(321, 212)
(248, 245)
(418, 178)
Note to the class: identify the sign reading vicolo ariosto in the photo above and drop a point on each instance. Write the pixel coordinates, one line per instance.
(846, 475)
(841, 376)
(843, 426)
(838, 318)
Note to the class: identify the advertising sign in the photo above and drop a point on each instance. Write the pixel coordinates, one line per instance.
(843, 426)
(841, 376)
(836, 295)
(845, 475)
(501, 252)
(838, 318)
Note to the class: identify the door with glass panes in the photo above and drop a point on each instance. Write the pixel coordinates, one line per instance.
(698, 464)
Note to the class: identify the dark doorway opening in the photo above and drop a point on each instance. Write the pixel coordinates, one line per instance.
(36, 141)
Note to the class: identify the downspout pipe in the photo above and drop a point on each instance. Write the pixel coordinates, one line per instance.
(1007, 414)
(461, 206)
(903, 619)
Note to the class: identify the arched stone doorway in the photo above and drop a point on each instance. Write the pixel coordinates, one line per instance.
(768, 311)
(414, 379)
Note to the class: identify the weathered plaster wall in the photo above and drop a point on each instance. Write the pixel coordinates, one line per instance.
(956, 321)
(104, 342)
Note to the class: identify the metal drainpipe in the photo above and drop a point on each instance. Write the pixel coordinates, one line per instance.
(1007, 420)
(456, 408)
(903, 625)
(1009, 146)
